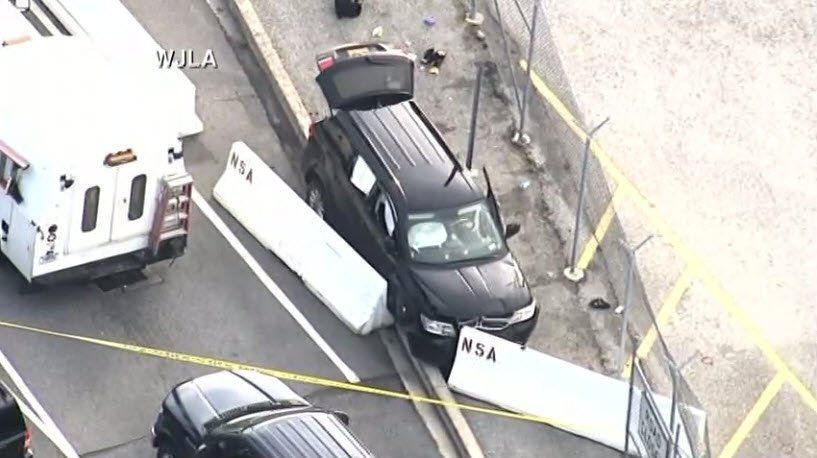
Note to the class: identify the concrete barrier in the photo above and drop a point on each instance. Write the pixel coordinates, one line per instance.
(567, 396)
(275, 215)
(123, 40)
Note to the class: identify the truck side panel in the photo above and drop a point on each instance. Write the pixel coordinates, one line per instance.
(19, 247)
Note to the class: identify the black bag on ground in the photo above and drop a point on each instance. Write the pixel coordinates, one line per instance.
(348, 8)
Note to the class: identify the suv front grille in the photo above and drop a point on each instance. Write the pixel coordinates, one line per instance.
(488, 324)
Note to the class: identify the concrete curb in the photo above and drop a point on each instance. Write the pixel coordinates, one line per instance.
(298, 117)
(465, 440)
(276, 75)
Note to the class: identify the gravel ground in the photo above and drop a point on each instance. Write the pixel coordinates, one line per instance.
(712, 108)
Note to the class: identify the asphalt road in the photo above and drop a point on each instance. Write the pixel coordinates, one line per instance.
(207, 303)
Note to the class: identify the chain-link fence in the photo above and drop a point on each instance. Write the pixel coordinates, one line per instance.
(542, 96)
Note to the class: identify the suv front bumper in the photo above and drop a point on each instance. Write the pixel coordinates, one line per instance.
(440, 351)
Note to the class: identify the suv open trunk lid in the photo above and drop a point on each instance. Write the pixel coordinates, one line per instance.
(365, 76)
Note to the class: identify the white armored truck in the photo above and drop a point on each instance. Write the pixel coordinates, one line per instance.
(92, 176)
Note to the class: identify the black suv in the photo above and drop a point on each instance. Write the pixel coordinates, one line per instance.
(383, 177)
(15, 437)
(245, 414)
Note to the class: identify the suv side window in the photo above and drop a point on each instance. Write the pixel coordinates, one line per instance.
(362, 176)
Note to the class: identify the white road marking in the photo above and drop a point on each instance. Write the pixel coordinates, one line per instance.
(45, 423)
(273, 288)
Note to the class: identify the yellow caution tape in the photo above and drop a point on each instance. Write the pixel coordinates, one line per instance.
(285, 375)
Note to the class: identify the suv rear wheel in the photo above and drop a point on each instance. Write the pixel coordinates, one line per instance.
(314, 196)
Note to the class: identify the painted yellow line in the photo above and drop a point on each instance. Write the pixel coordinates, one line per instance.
(756, 335)
(693, 262)
(291, 376)
(601, 229)
(753, 416)
(672, 300)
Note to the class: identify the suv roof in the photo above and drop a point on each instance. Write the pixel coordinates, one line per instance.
(306, 434)
(428, 176)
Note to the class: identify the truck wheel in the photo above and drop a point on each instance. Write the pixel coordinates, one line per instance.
(315, 196)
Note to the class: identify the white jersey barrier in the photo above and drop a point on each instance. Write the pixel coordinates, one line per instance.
(572, 398)
(124, 41)
(275, 215)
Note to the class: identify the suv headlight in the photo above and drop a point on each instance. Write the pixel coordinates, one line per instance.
(523, 314)
(439, 328)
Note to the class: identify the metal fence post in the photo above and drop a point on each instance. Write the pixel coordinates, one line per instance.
(673, 407)
(625, 308)
(520, 137)
(571, 273)
(473, 17)
(626, 452)
(474, 111)
(511, 63)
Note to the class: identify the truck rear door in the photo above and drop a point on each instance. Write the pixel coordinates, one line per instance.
(365, 76)
(91, 210)
(134, 201)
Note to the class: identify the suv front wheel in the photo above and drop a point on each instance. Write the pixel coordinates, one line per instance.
(397, 306)
(315, 196)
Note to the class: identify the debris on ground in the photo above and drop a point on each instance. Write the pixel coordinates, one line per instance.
(476, 19)
(480, 34)
(428, 55)
(377, 32)
(430, 21)
(433, 59)
(348, 8)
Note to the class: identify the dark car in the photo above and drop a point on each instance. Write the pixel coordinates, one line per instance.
(379, 172)
(248, 415)
(15, 437)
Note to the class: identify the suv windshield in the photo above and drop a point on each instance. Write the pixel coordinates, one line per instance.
(453, 235)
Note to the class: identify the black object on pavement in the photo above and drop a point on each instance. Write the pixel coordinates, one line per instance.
(348, 8)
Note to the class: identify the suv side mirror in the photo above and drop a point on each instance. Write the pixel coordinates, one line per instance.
(342, 416)
(512, 229)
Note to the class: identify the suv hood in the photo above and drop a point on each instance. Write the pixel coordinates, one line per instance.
(494, 288)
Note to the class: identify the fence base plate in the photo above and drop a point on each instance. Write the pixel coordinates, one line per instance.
(520, 139)
(574, 275)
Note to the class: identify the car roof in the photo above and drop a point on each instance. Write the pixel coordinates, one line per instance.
(306, 434)
(212, 399)
(411, 150)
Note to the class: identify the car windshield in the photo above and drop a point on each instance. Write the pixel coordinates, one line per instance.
(453, 235)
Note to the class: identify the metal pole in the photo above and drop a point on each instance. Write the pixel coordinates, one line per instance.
(469, 158)
(673, 406)
(520, 138)
(626, 451)
(473, 17)
(511, 66)
(627, 293)
(677, 438)
(572, 274)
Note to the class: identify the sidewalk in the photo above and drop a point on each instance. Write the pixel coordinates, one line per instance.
(301, 28)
